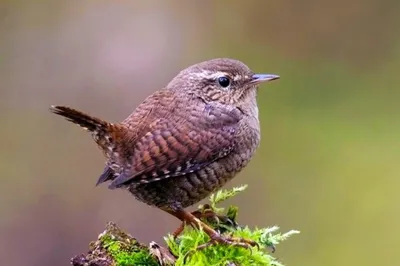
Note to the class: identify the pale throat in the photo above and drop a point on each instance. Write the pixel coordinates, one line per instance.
(248, 104)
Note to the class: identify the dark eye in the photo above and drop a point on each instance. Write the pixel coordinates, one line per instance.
(224, 81)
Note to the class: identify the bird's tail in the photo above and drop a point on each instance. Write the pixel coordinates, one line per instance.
(106, 134)
(109, 137)
(91, 124)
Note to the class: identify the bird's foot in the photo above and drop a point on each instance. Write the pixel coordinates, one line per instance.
(205, 213)
(225, 240)
(215, 237)
(228, 240)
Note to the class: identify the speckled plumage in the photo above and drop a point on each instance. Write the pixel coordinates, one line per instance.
(194, 148)
(185, 140)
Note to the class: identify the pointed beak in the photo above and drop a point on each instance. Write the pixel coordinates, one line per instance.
(259, 78)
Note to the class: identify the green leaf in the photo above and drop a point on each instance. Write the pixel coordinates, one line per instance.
(223, 195)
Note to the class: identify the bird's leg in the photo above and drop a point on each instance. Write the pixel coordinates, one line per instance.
(179, 230)
(215, 237)
(205, 212)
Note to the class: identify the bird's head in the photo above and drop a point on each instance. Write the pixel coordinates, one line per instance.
(227, 81)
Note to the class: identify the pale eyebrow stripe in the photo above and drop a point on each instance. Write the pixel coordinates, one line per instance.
(210, 75)
(218, 74)
(215, 75)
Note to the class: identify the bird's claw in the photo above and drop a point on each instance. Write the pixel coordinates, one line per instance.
(232, 241)
(219, 239)
(205, 213)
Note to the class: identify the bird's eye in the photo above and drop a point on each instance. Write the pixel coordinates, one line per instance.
(224, 81)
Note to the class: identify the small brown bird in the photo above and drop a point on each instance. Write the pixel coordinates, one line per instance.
(184, 141)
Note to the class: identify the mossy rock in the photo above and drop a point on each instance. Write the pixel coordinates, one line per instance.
(114, 247)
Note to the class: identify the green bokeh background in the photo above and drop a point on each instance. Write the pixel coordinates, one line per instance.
(328, 162)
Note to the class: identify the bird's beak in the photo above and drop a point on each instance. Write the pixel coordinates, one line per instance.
(259, 78)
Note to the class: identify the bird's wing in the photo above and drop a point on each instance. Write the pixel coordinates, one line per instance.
(174, 147)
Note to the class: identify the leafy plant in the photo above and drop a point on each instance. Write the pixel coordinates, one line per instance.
(185, 247)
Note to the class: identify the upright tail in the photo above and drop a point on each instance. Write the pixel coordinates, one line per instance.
(88, 122)
(106, 135)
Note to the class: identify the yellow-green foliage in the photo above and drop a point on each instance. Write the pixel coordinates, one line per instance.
(185, 247)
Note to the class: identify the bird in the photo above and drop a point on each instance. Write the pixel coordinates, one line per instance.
(184, 141)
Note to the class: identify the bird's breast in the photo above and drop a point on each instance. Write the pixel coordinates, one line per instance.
(248, 139)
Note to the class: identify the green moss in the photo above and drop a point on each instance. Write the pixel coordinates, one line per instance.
(125, 250)
(123, 258)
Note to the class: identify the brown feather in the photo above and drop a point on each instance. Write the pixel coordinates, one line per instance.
(177, 145)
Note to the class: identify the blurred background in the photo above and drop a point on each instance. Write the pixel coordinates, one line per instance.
(328, 164)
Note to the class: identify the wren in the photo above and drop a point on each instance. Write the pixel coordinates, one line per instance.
(184, 141)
